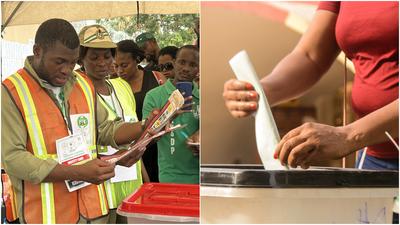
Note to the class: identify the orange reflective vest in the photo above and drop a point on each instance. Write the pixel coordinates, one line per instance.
(9, 198)
(51, 202)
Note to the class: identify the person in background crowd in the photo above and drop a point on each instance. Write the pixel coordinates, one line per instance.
(177, 162)
(197, 31)
(113, 72)
(166, 61)
(95, 56)
(148, 43)
(46, 103)
(128, 55)
(197, 43)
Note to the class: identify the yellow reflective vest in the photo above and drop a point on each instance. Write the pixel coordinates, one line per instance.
(116, 192)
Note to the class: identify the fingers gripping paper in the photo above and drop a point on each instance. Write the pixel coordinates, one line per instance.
(267, 135)
(153, 129)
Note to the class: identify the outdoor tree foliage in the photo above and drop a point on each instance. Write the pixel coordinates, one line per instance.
(176, 29)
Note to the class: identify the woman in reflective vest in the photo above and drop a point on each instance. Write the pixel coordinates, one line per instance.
(96, 57)
(51, 202)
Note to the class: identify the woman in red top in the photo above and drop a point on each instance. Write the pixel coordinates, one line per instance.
(368, 33)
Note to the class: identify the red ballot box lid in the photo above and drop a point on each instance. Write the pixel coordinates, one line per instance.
(164, 199)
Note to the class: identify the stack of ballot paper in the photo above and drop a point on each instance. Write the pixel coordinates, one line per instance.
(153, 129)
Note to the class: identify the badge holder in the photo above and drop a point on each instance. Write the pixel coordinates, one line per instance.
(73, 150)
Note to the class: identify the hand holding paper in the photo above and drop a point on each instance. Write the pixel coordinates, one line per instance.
(153, 129)
(193, 143)
(267, 135)
(96, 171)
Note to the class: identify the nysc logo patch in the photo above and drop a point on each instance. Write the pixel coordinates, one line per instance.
(82, 122)
(100, 35)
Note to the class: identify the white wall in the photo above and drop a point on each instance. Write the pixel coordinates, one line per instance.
(13, 55)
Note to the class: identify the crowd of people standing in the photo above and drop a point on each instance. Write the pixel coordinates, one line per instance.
(100, 107)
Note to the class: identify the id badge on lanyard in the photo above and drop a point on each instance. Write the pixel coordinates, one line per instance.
(81, 125)
(74, 149)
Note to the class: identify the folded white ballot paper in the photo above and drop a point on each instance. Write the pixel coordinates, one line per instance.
(267, 135)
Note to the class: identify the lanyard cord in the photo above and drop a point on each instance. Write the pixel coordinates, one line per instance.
(112, 108)
(112, 92)
(64, 111)
(116, 97)
(61, 106)
(61, 97)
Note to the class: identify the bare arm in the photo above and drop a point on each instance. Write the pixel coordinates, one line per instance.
(294, 74)
(307, 63)
(370, 129)
(314, 142)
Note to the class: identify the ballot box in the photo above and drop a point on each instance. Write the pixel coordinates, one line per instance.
(250, 194)
(162, 203)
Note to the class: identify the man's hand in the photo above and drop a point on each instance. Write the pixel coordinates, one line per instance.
(193, 143)
(95, 171)
(240, 98)
(131, 158)
(129, 132)
(154, 113)
(312, 142)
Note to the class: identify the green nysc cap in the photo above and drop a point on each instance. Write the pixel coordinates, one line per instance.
(143, 37)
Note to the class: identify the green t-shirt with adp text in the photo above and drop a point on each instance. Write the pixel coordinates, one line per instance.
(176, 162)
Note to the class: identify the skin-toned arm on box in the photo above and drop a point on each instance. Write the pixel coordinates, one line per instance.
(314, 142)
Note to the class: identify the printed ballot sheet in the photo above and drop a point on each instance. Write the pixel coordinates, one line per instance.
(174, 103)
(122, 173)
(153, 129)
(267, 135)
(73, 150)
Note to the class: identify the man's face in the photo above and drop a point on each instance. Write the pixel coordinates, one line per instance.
(149, 49)
(186, 66)
(55, 64)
